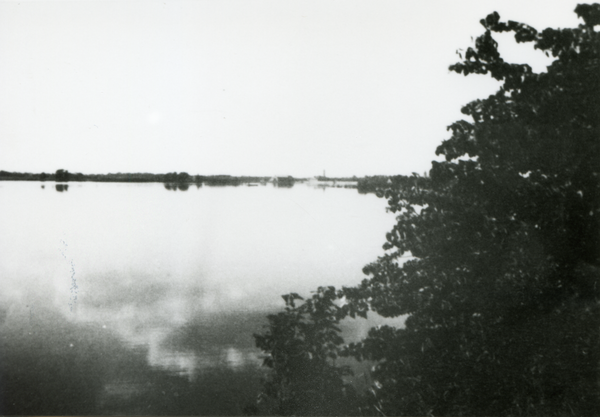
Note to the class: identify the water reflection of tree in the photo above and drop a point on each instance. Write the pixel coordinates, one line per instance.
(62, 187)
(177, 186)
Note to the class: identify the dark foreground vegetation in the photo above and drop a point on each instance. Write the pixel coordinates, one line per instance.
(379, 183)
(494, 260)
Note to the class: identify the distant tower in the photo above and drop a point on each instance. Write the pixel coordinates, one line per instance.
(324, 176)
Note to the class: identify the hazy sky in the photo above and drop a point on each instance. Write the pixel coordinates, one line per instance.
(241, 87)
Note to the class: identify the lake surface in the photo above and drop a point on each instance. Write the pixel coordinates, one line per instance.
(142, 299)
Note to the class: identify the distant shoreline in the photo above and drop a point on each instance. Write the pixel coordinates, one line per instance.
(364, 184)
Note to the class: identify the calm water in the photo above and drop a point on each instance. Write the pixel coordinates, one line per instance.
(135, 298)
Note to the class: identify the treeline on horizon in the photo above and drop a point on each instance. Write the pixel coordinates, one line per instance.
(171, 177)
(368, 184)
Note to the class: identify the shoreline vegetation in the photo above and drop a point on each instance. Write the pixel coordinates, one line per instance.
(182, 180)
(493, 262)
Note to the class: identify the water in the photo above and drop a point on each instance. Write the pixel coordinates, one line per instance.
(142, 299)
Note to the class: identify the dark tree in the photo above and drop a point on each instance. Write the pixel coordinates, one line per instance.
(184, 177)
(495, 260)
(61, 175)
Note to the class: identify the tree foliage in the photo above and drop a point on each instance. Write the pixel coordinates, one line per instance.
(501, 290)
(62, 175)
(304, 344)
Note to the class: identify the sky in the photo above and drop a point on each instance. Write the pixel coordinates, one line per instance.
(243, 87)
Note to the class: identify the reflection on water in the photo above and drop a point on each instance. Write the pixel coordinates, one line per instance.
(61, 187)
(51, 365)
(169, 289)
(71, 368)
(181, 186)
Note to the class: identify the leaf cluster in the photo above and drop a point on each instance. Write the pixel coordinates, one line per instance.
(303, 343)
